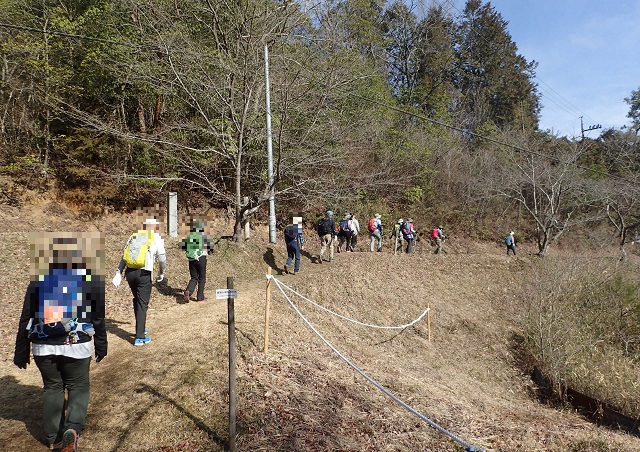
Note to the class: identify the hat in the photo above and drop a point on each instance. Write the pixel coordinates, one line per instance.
(511, 233)
(151, 221)
(330, 212)
(347, 217)
(400, 220)
(409, 220)
(377, 215)
(440, 227)
(197, 225)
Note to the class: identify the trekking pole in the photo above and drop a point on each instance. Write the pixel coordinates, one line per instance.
(395, 249)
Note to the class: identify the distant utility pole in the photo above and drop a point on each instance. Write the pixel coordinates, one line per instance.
(597, 126)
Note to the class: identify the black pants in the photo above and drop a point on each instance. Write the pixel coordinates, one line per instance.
(198, 272)
(60, 373)
(140, 283)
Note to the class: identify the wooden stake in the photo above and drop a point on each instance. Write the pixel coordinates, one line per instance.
(232, 368)
(267, 305)
(429, 321)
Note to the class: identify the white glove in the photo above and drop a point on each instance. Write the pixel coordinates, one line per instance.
(160, 278)
(117, 279)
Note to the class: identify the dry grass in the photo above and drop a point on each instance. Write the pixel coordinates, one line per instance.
(172, 395)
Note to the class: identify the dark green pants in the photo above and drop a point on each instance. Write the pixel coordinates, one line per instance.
(60, 373)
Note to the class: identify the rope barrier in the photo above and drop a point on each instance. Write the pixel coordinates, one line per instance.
(468, 447)
(401, 327)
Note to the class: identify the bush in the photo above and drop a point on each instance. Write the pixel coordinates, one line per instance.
(582, 328)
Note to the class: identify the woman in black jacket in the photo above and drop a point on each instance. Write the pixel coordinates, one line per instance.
(63, 310)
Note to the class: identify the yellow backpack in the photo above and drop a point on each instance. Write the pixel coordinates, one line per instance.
(135, 253)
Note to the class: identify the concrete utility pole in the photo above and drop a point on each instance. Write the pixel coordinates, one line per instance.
(272, 200)
(597, 126)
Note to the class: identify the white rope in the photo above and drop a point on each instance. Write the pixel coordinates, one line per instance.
(468, 446)
(401, 327)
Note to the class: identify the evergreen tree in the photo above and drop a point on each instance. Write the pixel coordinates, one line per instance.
(495, 82)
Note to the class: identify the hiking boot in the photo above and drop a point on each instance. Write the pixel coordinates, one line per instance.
(55, 446)
(69, 441)
(141, 341)
(286, 269)
(185, 296)
(338, 250)
(320, 260)
(202, 300)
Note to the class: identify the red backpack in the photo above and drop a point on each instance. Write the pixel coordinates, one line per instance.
(372, 224)
(434, 233)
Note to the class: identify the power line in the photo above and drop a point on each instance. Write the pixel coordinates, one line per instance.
(70, 35)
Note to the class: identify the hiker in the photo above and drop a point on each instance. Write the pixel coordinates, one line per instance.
(355, 230)
(510, 241)
(327, 234)
(438, 235)
(375, 230)
(396, 234)
(137, 262)
(409, 234)
(345, 232)
(63, 310)
(196, 245)
(295, 242)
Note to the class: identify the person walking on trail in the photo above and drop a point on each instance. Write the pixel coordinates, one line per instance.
(196, 245)
(396, 235)
(295, 242)
(375, 230)
(439, 237)
(510, 241)
(355, 230)
(63, 310)
(139, 255)
(409, 234)
(345, 232)
(327, 234)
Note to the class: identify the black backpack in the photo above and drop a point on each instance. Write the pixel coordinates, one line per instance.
(290, 233)
(324, 226)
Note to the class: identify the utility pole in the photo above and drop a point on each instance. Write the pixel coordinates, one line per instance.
(272, 202)
(597, 126)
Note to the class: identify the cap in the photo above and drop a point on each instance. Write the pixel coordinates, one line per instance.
(377, 215)
(400, 220)
(330, 212)
(440, 227)
(511, 233)
(347, 217)
(151, 221)
(197, 225)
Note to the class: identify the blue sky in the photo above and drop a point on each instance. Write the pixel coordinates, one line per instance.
(588, 55)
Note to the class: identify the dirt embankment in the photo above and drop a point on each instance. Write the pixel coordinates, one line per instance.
(172, 394)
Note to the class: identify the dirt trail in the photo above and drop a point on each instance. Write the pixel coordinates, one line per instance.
(171, 394)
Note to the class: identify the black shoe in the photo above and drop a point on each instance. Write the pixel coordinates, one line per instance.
(286, 269)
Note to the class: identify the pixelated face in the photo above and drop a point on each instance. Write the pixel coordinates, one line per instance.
(61, 263)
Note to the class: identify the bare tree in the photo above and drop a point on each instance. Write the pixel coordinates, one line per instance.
(551, 185)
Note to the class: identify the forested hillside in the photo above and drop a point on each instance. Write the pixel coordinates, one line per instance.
(374, 107)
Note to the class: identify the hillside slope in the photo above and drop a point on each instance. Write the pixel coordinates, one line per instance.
(172, 394)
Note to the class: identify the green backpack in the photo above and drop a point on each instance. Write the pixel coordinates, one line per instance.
(195, 245)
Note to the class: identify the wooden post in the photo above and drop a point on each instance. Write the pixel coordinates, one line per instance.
(232, 368)
(266, 311)
(429, 321)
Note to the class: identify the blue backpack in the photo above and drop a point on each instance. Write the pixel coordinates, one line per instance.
(508, 240)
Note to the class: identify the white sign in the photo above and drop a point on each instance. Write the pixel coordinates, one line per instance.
(221, 294)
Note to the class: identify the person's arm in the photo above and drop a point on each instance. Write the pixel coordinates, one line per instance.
(162, 257)
(23, 346)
